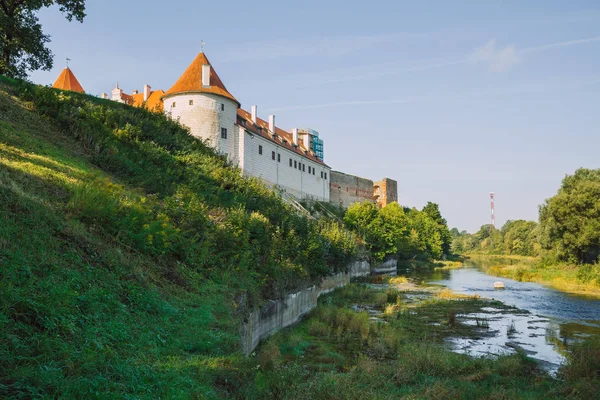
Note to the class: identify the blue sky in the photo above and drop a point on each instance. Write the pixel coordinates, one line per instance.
(451, 99)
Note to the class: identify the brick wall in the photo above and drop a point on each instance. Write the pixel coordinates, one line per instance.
(386, 192)
(346, 190)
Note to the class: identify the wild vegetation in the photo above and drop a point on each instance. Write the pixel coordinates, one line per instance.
(340, 351)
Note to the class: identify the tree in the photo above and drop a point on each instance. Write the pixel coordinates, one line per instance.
(433, 211)
(518, 237)
(569, 225)
(22, 41)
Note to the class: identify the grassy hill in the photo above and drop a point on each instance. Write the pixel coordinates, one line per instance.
(129, 251)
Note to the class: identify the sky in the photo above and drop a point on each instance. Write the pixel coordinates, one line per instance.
(451, 99)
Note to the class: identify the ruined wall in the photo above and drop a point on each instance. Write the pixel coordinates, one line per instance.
(345, 190)
(385, 192)
(278, 314)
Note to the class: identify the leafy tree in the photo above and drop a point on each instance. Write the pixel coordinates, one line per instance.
(519, 237)
(570, 221)
(433, 211)
(22, 41)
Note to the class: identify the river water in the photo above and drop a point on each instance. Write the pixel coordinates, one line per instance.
(547, 321)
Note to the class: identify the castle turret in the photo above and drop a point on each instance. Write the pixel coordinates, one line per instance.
(200, 101)
(67, 81)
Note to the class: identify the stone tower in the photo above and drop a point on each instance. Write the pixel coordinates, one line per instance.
(200, 101)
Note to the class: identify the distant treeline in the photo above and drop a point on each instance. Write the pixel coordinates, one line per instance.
(568, 229)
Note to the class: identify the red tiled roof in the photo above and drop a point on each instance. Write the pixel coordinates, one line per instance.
(191, 81)
(283, 138)
(154, 102)
(67, 81)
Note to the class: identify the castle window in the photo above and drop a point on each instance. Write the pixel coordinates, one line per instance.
(321, 174)
(191, 102)
(278, 157)
(291, 164)
(313, 170)
(174, 104)
(223, 133)
(325, 175)
(222, 107)
(272, 155)
(309, 167)
(259, 149)
(303, 167)
(295, 164)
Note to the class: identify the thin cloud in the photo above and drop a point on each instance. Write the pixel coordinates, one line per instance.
(498, 59)
(536, 87)
(333, 46)
(343, 103)
(561, 44)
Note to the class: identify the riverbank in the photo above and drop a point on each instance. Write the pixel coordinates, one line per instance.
(364, 341)
(583, 280)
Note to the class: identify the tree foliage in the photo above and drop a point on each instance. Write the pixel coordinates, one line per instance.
(517, 237)
(22, 40)
(399, 232)
(570, 221)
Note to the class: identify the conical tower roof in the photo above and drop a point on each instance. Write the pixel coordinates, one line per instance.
(191, 80)
(67, 81)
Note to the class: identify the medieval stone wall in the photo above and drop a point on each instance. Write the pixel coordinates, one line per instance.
(346, 190)
(385, 192)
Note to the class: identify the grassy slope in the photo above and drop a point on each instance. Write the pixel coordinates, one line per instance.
(125, 246)
(81, 314)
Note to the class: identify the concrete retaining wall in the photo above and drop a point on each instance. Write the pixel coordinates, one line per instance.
(389, 267)
(278, 314)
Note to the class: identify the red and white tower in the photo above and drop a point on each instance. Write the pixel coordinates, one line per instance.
(492, 194)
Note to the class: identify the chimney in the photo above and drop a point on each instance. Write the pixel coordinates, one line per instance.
(295, 136)
(135, 92)
(206, 75)
(272, 123)
(147, 91)
(254, 113)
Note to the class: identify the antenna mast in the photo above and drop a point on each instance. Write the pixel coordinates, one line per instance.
(492, 194)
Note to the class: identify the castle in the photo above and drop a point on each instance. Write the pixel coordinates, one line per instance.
(290, 160)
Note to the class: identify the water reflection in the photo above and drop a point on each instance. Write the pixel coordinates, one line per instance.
(549, 322)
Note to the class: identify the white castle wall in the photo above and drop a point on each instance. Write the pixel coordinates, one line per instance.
(297, 182)
(205, 118)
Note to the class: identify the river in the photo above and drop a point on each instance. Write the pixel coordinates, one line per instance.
(549, 320)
